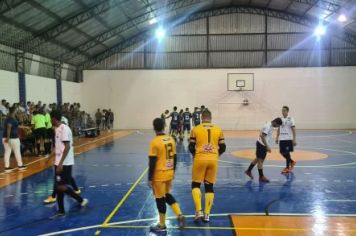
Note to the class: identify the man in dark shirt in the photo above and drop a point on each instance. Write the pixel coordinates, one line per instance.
(196, 116)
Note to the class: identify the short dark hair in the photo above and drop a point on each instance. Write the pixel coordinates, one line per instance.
(285, 107)
(206, 113)
(278, 121)
(56, 114)
(175, 108)
(187, 109)
(158, 124)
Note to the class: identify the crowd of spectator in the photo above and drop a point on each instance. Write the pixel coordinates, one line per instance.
(34, 124)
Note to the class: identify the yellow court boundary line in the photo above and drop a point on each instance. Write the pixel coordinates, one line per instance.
(105, 223)
(227, 228)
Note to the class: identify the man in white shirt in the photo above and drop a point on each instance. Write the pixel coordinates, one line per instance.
(64, 160)
(3, 108)
(262, 147)
(286, 136)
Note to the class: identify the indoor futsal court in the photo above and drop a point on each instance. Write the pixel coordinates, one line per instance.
(178, 117)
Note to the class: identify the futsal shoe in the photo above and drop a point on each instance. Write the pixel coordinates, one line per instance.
(206, 218)
(49, 200)
(181, 222)
(264, 179)
(158, 228)
(198, 216)
(249, 174)
(77, 191)
(285, 171)
(22, 168)
(84, 202)
(293, 164)
(8, 169)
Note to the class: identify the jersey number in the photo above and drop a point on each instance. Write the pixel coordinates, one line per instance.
(169, 151)
(209, 135)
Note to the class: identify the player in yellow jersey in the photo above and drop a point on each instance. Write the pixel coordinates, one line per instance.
(162, 165)
(206, 145)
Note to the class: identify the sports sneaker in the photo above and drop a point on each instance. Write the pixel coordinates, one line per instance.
(293, 164)
(58, 215)
(264, 179)
(198, 216)
(8, 169)
(84, 202)
(78, 191)
(23, 167)
(206, 218)
(49, 200)
(285, 171)
(249, 174)
(158, 228)
(181, 222)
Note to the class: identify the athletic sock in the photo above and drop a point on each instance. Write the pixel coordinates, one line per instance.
(251, 167)
(260, 172)
(162, 219)
(197, 198)
(209, 199)
(176, 209)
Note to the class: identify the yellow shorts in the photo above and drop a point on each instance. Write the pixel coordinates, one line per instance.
(204, 170)
(160, 188)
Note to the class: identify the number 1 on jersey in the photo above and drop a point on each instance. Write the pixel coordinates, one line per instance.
(209, 135)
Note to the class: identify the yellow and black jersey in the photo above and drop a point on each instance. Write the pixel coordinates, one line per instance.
(163, 148)
(207, 137)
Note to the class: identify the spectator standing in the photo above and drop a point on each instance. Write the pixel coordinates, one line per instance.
(11, 141)
(98, 118)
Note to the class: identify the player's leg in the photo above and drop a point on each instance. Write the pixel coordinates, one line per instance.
(188, 132)
(210, 179)
(159, 191)
(52, 198)
(69, 181)
(171, 201)
(248, 172)
(198, 174)
(284, 151)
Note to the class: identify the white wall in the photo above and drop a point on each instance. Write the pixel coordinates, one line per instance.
(40, 89)
(318, 97)
(37, 89)
(71, 92)
(9, 86)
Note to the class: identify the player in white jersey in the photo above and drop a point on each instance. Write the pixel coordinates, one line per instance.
(64, 161)
(286, 136)
(262, 147)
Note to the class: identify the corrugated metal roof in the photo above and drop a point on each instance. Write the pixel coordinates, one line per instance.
(81, 30)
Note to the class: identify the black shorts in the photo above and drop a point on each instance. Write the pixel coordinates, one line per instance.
(261, 151)
(40, 133)
(186, 127)
(174, 126)
(286, 146)
(196, 122)
(50, 133)
(65, 176)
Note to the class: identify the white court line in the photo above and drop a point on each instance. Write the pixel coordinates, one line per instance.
(189, 216)
(339, 200)
(324, 166)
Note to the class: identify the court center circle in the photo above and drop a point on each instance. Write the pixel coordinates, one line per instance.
(299, 155)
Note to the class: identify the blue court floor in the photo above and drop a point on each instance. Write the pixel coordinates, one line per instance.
(106, 174)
